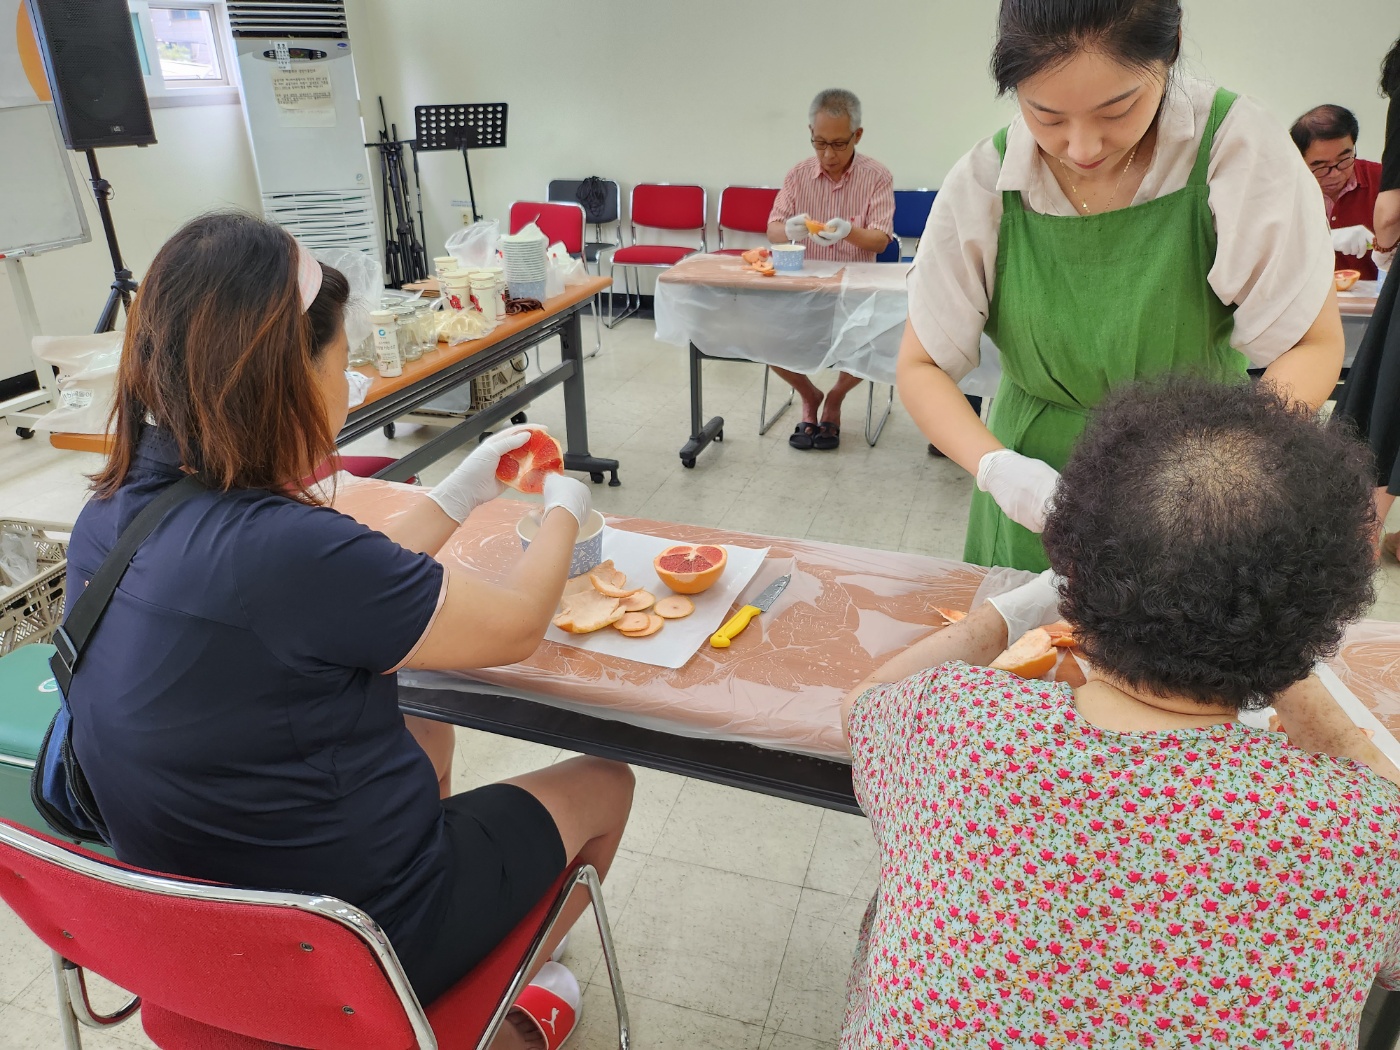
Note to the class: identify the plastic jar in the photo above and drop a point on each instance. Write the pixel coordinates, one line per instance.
(388, 358)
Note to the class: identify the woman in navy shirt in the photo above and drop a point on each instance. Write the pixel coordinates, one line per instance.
(236, 710)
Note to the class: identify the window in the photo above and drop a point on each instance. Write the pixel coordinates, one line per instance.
(189, 45)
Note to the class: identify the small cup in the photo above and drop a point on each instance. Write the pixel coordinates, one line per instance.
(788, 258)
(588, 549)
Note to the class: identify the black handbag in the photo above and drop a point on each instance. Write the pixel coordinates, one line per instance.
(57, 786)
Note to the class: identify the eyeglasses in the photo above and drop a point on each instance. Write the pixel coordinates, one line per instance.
(1326, 169)
(821, 145)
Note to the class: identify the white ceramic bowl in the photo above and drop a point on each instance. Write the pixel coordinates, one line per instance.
(588, 549)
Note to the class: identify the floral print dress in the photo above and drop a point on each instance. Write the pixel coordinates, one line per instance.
(1045, 883)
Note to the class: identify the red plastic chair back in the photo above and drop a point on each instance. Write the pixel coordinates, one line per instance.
(562, 223)
(746, 208)
(668, 207)
(264, 971)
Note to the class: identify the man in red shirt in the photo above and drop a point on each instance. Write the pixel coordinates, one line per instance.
(854, 196)
(1326, 137)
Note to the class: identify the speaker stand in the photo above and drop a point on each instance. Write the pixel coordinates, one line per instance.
(122, 284)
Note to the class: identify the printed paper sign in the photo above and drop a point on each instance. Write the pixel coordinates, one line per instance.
(304, 97)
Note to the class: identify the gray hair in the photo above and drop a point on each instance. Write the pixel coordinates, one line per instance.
(838, 102)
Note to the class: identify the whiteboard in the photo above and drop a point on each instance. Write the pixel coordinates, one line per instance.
(41, 209)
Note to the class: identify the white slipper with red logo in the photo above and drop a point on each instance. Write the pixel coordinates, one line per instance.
(553, 1003)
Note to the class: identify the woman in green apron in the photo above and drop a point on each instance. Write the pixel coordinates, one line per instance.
(1130, 222)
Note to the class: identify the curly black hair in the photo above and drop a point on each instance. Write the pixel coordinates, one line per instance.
(1215, 541)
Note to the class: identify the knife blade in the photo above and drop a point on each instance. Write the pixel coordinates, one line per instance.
(736, 623)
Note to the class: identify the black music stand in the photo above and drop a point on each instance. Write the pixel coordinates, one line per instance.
(470, 125)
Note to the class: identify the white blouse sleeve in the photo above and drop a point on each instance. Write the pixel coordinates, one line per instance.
(954, 269)
(1273, 258)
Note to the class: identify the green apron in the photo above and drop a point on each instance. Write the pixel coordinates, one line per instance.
(1084, 304)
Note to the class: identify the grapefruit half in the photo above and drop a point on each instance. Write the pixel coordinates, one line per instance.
(525, 468)
(690, 570)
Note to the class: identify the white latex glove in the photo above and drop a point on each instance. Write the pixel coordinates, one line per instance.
(1021, 486)
(1030, 605)
(1352, 240)
(796, 227)
(837, 230)
(1384, 260)
(474, 481)
(359, 384)
(569, 493)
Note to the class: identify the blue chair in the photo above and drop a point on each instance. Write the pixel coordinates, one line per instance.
(911, 208)
(891, 252)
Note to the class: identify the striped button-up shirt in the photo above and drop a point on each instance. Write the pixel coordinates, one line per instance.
(863, 196)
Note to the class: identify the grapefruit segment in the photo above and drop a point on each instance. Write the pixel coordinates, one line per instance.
(675, 607)
(525, 468)
(638, 601)
(690, 569)
(654, 624)
(633, 622)
(813, 226)
(1032, 655)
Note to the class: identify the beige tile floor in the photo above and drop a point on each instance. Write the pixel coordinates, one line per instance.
(735, 914)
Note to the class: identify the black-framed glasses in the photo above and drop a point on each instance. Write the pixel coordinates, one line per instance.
(1344, 164)
(821, 145)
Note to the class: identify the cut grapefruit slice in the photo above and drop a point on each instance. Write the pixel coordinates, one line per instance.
(525, 468)
(1031, 656)
(638, 601)
(813, 226)
(690, 570)
(654, 624)
(675, 607)
(633, 622)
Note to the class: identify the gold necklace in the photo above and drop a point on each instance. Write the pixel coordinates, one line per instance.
(1073, 188)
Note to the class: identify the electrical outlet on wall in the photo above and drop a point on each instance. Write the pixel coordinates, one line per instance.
(464, 207)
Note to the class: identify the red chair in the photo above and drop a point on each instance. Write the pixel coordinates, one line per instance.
(744, 209)
(563, 222)
(657, 206)
(220, 968)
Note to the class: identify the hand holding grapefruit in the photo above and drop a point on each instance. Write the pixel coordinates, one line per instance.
(524, 469)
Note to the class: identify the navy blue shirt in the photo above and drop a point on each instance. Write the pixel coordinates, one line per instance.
(232, 710)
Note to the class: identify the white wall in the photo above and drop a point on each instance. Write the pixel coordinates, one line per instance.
(681, 91)
(701, 91)
(201, 160)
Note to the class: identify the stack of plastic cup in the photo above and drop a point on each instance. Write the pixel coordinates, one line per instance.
(525, 264)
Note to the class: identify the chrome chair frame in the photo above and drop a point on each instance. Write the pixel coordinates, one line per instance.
(74, 1007)
(765, 422)
(631, 307)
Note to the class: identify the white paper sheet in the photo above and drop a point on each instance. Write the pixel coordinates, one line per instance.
(677, 641)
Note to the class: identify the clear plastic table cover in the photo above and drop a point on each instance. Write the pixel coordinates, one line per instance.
(780, 685)
(852, 321)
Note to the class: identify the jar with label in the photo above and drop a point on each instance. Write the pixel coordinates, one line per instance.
(484, 294)
(408, 333)
(388, 358)
(458, 291)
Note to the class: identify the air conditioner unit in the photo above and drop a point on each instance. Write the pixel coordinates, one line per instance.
(302, 105)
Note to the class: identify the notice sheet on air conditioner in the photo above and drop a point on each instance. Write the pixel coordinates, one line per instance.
(304, 97)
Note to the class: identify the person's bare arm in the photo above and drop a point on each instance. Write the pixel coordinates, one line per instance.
(939, 408)
(1387, 224)
(979, 639)
(423, 528)
(777, 233)
(1314, 721)
(484, 624)
(1309, 371)
(869, 240)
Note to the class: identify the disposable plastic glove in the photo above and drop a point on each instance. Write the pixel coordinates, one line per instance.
(837, 230)
(796, 227)
(1021, 486)
(1352, 240)
(569, 493)
(359, 384)
(474, 481)
(1030, 605)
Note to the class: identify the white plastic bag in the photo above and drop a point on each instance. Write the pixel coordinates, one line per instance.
(474, 246)
(87, 380)
(571, 271)
(365, 275)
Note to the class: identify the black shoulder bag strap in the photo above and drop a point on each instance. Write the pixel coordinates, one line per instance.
(84, 613)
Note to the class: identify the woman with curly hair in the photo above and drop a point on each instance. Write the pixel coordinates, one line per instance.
(1128, 861)
(1372, 392)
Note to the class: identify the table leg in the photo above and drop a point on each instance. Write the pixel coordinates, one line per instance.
(700, 436)
(576, 455)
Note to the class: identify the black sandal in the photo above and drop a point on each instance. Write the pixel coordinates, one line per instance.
(803, 435)
(828, 437)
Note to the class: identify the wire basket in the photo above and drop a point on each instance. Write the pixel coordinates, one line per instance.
(32, 610)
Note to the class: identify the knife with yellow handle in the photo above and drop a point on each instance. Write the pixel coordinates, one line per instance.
(736, 623)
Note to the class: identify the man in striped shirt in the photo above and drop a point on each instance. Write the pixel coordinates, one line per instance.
(854, 196)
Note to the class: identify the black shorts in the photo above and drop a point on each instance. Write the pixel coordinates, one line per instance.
(505, 853)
